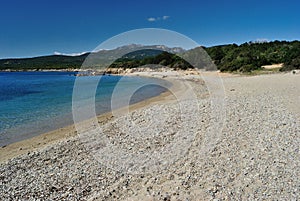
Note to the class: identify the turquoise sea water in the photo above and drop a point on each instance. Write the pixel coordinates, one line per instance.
(32, 103)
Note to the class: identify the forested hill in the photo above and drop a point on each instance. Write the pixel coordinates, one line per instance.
(251, 56)
(43, 62)
(243, 58)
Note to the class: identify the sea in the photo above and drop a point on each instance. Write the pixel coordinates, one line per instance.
(32, 103)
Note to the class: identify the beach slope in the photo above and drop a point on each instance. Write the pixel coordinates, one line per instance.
(255, 156)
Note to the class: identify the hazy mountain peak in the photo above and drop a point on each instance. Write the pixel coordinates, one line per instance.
(135, 47)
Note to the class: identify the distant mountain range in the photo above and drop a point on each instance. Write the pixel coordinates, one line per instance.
(97, 59)
(243, 58)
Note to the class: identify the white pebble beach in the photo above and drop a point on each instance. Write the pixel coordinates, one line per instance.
(255, 155)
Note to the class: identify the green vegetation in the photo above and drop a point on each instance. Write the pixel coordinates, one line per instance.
(45, 62)
(245, 58)
(251, 56)
(157, 57)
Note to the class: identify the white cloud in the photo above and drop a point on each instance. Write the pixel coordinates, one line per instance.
(261, 40)
(69, 54)
(165, 17)
(57, 53)
(153, 19)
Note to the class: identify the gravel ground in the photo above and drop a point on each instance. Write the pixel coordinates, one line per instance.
(171, 151)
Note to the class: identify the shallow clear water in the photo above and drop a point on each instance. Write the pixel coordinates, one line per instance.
(32, 103)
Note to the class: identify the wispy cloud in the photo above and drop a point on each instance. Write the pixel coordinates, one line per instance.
(69, 54)
(151, 19)
(262, 40)
(154, 19)
(165, 17)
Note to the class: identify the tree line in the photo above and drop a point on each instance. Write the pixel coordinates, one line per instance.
(252, 55)
(242, 58)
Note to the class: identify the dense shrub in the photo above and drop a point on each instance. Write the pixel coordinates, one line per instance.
(251, 56)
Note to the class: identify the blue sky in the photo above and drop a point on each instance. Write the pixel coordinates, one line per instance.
(34, 27)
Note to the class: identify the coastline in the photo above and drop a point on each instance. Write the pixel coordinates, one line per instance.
(63, 134)
(259, 139)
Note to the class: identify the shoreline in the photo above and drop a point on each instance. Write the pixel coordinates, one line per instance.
(259, 139)
(64, 133)
(40, 141)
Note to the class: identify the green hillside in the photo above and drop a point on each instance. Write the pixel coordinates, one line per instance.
(44, 62)
(153, 57)
(251, 56)
(242, 58)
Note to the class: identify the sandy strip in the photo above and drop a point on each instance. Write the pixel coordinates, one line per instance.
(274, 66)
